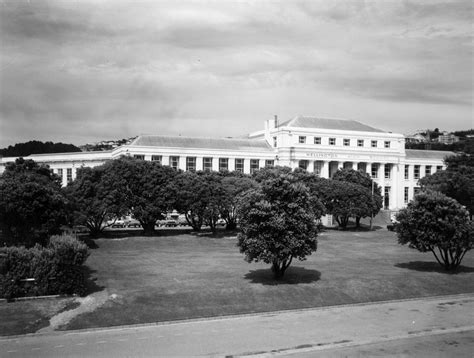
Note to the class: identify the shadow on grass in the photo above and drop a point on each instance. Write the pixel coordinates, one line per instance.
(432, 266)
(293, 276)
(91, 284)
(218, 234)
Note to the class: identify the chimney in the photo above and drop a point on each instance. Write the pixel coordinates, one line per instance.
(276, 122)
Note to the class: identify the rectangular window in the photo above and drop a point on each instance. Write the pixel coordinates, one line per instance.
(302, 139)
(428, 170)
(269, 163)
(303, 164)
(386, 197)
(406, 171)
(373, 143)
(174, 162)
(191, 164)
(416, 190)
(253, 165)
(360, 142)
(207, 164)
(275, 142)
(223, 164)
(332, 141)
(156, 158)
(317, 140)
(375, 170)
(386, 144)
(69, 175)
(439, 167)
(405, 195)
(318, 165)
(239, 165)
(347, 142)
(60, 173)
(416, 172)
(139, 156)
(387, 170)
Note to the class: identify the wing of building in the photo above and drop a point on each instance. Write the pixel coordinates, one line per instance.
(318, 145)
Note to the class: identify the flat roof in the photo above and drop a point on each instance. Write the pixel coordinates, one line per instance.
(427, 154)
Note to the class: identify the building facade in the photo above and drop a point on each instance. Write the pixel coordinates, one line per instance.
(317, 145)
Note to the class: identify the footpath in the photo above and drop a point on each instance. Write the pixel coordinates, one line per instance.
(342, 330)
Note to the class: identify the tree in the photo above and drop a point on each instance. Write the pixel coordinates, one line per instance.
(32, 206)
(278, 223)
(234, 186)
(361, 178)
(439, 224)
(146, 186)
(94, 199)
(37, 147)
(457, 181)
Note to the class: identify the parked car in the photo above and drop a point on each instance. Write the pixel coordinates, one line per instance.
(170, 223)
(134, 223)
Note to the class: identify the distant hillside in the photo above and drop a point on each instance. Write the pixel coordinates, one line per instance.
(106, 144)
(37, 147)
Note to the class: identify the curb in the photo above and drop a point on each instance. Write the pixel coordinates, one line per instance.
(236, 316)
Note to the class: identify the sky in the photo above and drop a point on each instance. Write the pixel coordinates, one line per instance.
(83, 71)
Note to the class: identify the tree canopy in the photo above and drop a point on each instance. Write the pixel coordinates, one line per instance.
(436, 223)
(278, 222)
(37, 147)
(32, 206)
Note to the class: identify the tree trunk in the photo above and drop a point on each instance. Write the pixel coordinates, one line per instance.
(279, 267)
(148, 227)
(357, 221)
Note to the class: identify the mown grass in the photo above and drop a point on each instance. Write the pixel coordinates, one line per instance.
(180, 275)
(186, 276)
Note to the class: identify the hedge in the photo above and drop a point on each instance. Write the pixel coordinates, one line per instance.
(56, 269)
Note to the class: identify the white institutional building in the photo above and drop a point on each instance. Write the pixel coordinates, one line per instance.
(318, 145)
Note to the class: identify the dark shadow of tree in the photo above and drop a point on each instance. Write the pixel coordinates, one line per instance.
(432, 266)
(91, 281)
(293, 276)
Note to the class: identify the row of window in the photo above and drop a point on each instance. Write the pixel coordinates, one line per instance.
(417, 171)
(207, 163)
(345, 142)
(68, 174)
(406, 192)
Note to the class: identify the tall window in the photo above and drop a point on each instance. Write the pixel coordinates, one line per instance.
(239, 165)
(439, 167)
(302, 139)
(223, 164)
(60, 173)
(405, 195)
(386, 144)
(428, 170)
(318, 165)
(406, 171)
(375, 170)
(191, 164)
(253, 165)
(207, 164)
(416, 172)
(174, 162)
(157, 158)
(386, 197)
(416, 190)
(275, 142)
(139, 156)
(317, 140)
(69, 175)
(360, 142)
(332, 141)
(303, 164)
(347, 142)
(269, 163)
(373, 143)
(387, 170)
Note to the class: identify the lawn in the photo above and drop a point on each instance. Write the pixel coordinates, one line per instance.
(180, 275)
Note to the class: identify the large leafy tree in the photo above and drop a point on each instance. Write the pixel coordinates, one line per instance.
(145, 186)
(278, 222)
(94, 198)
(435, 223)
(32, 206)
(363, 179)
(457, 181)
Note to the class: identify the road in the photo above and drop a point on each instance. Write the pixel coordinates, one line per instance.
(338, 331)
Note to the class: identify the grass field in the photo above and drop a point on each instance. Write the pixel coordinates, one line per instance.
(181, 275)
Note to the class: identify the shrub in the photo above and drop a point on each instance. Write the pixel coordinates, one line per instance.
(57, 268)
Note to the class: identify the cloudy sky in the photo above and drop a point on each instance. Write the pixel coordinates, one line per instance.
(83, 71)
